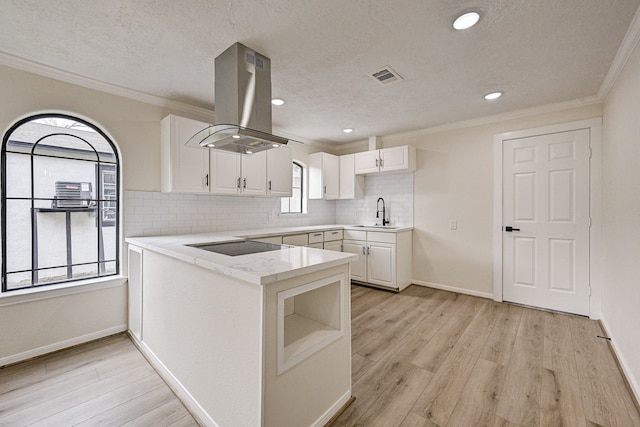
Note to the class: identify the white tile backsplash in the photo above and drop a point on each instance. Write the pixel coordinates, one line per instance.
(148, 213)
(397, 191)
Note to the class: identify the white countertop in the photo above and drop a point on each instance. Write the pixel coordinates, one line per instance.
(259, 268)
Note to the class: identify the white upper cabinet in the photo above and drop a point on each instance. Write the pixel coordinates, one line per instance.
(233, 173)
(386, 160)
(201, 170)
(183, 169)
(351, 186)
(279, 172)
(324, 176)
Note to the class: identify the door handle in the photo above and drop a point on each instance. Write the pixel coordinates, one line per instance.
(510, 229)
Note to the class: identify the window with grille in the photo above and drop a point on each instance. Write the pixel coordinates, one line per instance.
(294, 204)
(60, 202)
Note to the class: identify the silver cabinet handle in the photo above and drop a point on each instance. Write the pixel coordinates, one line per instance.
(368, 250)
(318, 234)
(269, 185)
(325, 189)
(334, 232)
(381, 163)
(238, 182)
(363, 251)
(206, 180)
(244, 183)
(376, 162)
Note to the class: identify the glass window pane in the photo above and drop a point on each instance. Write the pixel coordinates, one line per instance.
(84, 237)
(18, 175)
(18, 280)
(84, 271)
(51, 239)
(66, 146)
(66, 182)
(108, 268)
(109, 243)
(18, 229)
(52, 275)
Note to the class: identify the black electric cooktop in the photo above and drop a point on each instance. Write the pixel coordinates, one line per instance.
(245, 247)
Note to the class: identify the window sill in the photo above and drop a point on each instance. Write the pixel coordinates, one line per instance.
(55, 291)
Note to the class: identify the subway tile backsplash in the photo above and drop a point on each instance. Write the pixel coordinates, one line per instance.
(397, 191)
(148, 213)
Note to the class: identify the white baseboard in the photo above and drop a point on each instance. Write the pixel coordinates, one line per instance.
(61, 345)
(324, 418)
(176, 386)
(453, 289)
(626, 371)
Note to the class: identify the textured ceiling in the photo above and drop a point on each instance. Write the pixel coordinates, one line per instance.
(538, 52)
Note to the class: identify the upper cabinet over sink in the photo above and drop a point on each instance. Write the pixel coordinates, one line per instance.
(386, 160)
(200, 170)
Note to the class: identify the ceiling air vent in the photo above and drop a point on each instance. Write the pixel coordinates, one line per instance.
(386, 75)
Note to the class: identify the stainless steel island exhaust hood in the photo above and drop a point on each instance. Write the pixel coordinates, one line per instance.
(242, 104)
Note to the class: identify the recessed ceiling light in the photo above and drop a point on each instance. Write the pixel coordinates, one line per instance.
(466, 20)
(492, 95)
(235, 136)
(249, 152)
(276, 145)
(347, 130)
(211, 145)
(277, 101)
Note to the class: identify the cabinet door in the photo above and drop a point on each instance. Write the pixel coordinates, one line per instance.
(135, 291)
(335, 245)
(331, 176)
(351, 185)
(184, 169)
(359, 265)
(254, 173)
(382, 264)
(367, 162)
(225, 172)
(279, 172)
(393, 159)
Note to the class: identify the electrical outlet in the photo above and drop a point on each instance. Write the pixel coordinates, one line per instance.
(270, 216)
(453, 224)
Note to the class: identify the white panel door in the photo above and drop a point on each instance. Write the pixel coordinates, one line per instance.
(382, 263)
(546, 221)
(359, 266)
(279, 171)
(254, 173)
(225, 172)
(395, 158)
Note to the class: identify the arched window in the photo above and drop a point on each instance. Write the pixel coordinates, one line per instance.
(60, 202)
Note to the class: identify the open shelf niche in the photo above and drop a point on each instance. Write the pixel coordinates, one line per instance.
(309, 319)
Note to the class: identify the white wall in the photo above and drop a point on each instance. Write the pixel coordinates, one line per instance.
(621, 217)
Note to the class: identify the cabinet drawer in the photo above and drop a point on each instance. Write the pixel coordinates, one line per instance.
(316, 245)
(296, 240)
(355, 234)
(332, 235)
(316, 237)
(376, 236)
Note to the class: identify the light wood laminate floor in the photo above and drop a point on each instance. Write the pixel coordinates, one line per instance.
(426, 357)
(106, 382)
(422, 357)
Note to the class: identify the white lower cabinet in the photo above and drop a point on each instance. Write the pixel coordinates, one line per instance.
(384, 259)
(335, 245)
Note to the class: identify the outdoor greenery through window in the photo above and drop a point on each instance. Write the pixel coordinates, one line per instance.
(60, 187)
(293, 204)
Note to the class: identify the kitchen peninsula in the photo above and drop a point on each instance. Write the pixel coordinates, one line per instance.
(261, 339)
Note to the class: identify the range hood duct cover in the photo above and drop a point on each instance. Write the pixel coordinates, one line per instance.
(242, 104)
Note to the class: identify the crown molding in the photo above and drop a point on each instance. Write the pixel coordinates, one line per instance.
(67, 77)
(630, 41)
(496, 118)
